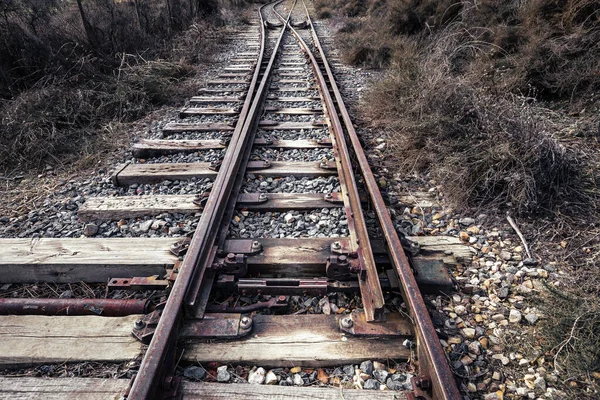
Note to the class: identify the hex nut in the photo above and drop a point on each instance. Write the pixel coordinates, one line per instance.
(346, 323)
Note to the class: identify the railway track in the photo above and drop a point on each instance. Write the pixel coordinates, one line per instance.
(282, 214)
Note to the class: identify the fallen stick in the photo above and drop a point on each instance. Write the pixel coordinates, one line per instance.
(516, 228)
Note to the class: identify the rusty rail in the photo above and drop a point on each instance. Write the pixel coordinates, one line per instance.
(433, 364)
(100, 307)
(155, 372)
(360, 250)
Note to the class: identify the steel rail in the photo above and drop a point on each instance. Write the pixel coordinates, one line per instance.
(152, 375)
(370, 287)
(431, 355)
(238, 159)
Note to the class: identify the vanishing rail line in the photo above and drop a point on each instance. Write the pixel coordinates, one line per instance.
(283, 99)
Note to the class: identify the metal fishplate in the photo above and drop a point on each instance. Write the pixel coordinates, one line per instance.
(138, 283)
(338, 267)
(243, 246)
(422, 387)
(248, 199)
(180, 247)
(356, 324)
(258, 164)
(327, 165)
(234, 264)
(218, 325)
(334, 198)
(343, 263)
(201, 199)
(143, 329)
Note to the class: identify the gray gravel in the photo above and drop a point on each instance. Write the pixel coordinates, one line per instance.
(198, 135)
(274, 154)
(198, 156)
(296, 93)
(318, 133)
(294, 104)
(317, 223)
(291, 184)
(292, 118)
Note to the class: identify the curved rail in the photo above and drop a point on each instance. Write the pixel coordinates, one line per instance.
(436, 377)
(155, 372)
(360, 245)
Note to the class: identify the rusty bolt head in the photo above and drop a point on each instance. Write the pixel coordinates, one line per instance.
(168, 382)
(342, 258)
(346, 323)
(423, 383)
(230, 256)
(281, 299)
(139, 324)
(245, 322)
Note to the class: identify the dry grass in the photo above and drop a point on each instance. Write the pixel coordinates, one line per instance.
(58, 122)
(463, 94)
(571, 331)
(488, 149)
(69, 91)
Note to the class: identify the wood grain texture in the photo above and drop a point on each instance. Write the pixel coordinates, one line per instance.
(25, 388)
(106, 208)
(82, 259)
(176, 127)
(34, 339)
(98, 259)
(186, 112)
(151, 173)
(215, 391)
(304, 340)
(292, 126)
(146, 148)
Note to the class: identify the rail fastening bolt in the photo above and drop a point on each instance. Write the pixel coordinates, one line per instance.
(245, 322)
(423, 383)
(139, 324)
(346, 323)
(337, 245)
(256, 245)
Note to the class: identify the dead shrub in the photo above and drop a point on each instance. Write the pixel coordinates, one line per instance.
(545, 49)
(324, 8)
(412, 16)
(362, 45)
(486, 149)
(60, 122)
(68, 69)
